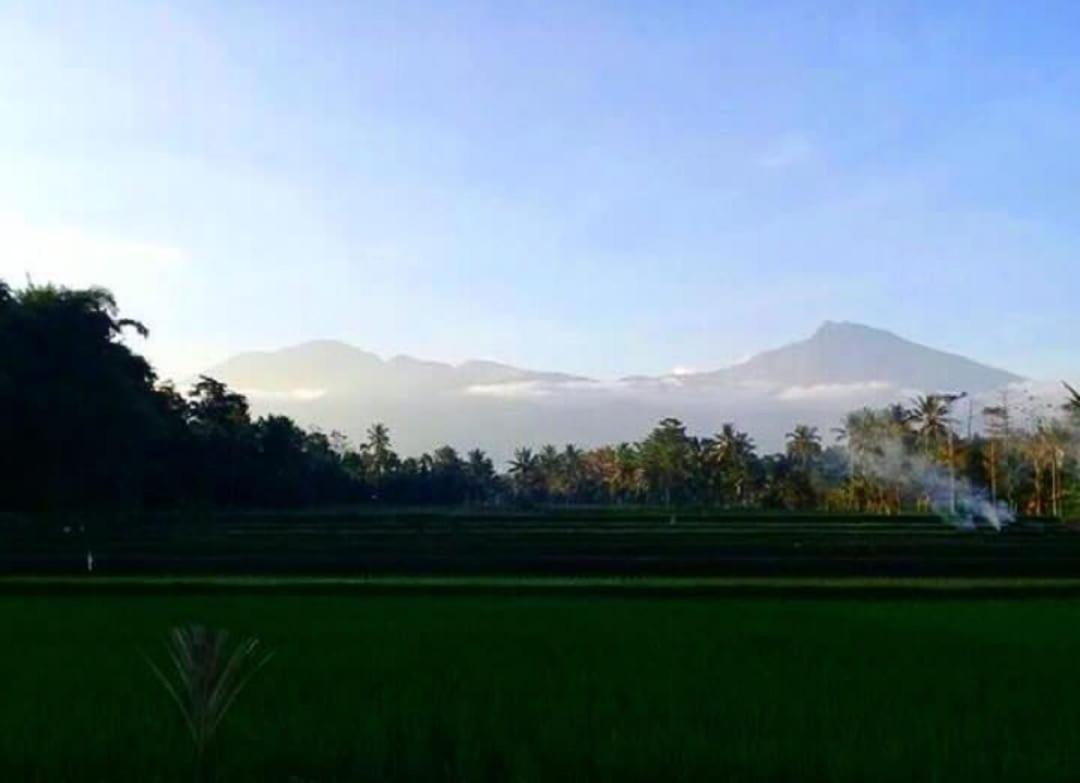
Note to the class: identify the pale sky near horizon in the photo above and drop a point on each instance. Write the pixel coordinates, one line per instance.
(600, 188)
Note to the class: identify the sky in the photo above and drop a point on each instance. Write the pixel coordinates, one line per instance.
(599, 188)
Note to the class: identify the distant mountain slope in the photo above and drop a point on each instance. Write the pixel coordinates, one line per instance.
(338, 368)
(322, 364)
(847, 353)
(497, 407)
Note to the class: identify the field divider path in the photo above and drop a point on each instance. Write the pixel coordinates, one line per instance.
(887, 588)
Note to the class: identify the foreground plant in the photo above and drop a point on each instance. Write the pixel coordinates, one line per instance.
(208, 675)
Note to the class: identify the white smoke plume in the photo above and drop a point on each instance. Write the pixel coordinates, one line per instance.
(953, 497)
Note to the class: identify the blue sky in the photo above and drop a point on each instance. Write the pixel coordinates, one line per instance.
(605, 188)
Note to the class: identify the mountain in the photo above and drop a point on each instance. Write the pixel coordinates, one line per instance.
(847, 353)
(336, 368)
(842, 366)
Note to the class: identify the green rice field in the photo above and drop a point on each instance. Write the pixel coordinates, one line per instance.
(409, 680)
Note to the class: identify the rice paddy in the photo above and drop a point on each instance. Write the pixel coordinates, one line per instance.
(554, 646)
(582, 685)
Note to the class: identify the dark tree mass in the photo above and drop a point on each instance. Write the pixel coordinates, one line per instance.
(86, 424)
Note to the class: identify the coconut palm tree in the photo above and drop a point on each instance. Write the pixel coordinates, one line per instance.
(804, 445)
(572, 463)
(861, 434)
(1073, 405)
(733, 454)
(628, 470)
(930, 416)
(933, 424)
(381, 459)
(549, 464)
(480, 474)
(524, 470)
(998, 419)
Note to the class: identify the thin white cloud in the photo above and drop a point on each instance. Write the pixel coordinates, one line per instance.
(834, 391)
(554, 390)
(511, 391)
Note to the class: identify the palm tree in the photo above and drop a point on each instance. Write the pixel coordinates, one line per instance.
(871, 437)
(998, 420)
(627, 470)
(861, 435)
(1073, 405)
(665, 459)
(804, 445)
(379, 437)
(480, 473)
(381, 457)
(930, 415)
(733, 453)
(524, 468)
(550, 469)
(572, 462)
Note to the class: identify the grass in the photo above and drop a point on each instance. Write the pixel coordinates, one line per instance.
(580, 686)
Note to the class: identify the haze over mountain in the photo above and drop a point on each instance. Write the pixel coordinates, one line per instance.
(497, 407)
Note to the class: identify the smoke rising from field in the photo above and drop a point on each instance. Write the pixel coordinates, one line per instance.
(954, 498)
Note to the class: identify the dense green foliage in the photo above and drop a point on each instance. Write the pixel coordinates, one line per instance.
(571, 688)
(86, 424)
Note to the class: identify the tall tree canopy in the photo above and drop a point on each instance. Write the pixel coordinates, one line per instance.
(85, 425)
(78, 408)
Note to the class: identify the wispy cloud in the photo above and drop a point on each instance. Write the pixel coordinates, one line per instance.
(557, 390)
(511, 391)
(834, 391)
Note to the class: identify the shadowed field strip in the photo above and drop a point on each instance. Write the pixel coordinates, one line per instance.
(556, 543)
(570, 587)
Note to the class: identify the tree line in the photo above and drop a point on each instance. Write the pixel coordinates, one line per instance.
(86, 423)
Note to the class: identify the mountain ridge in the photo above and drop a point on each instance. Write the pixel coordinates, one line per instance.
(317, 361)
(872, 354)
(875, 355)
(496, 406)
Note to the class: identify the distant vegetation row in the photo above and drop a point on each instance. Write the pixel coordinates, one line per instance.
(85, 423)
